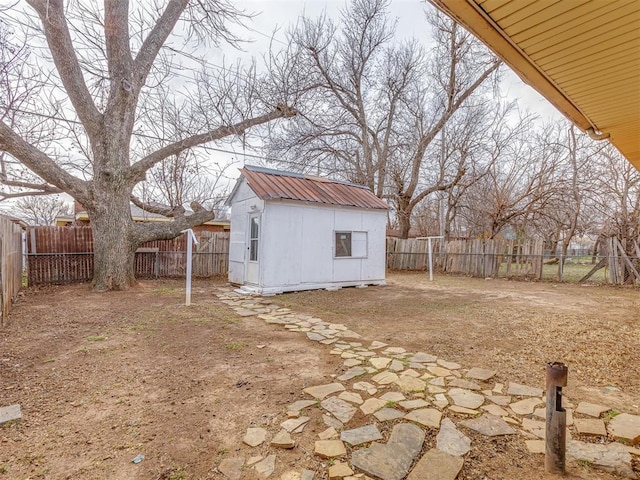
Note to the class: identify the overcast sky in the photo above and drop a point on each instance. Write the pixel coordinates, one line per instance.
(278, 15)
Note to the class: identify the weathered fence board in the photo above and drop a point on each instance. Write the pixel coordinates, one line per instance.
(10, 265)
(65, 255)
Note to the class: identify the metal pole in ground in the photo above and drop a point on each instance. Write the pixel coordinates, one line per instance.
(556, 428)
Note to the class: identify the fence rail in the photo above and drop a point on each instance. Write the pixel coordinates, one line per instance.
(65, 255)
(10, 265)
(516, 259)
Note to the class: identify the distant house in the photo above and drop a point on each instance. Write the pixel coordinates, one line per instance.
(80, 217)
(295, 232)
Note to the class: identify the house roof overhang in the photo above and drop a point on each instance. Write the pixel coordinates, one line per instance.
(583, 56)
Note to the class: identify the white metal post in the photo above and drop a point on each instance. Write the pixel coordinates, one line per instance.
(191, 238)
(430, 259)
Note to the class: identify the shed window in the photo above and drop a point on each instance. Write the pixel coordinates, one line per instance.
(351, 244)
(253, 239)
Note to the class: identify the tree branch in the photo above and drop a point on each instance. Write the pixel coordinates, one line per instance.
(138, 169)
(52, 16)
(118, 52)
(165, 210)
(156, 38)
(41, 164)
(143, 232)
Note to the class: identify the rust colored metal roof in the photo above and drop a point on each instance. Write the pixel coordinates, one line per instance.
(274, 184)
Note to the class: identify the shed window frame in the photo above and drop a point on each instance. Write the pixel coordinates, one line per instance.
(358, 246)
(254, 238)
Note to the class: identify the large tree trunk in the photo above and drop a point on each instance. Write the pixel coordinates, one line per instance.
(113, 245)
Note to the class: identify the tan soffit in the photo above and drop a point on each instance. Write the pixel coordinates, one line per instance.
(582, 55)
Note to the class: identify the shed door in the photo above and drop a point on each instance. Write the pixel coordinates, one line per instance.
(253, 247)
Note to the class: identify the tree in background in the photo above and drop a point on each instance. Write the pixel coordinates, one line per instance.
(373, 107)
(91, 125)
(40, 210)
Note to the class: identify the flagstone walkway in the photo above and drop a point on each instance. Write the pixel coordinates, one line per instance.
(416, 392)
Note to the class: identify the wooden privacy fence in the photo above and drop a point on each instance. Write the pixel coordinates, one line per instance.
(65, 255)
(412, 253)
(10, 265)
(474, 257)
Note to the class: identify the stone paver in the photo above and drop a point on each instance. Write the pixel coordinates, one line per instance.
(352, 373)
(329, 448)
(255, 436)
(500, 399)
(448, 365)
(331, 421)
(413, 404)
(410, 384)
(526, 406)
(10, 413)
(386, 414)
(463, 410)
(591, 409)
(340, 470)
(590, 426)
(612, 457)
(461, 383)
(380, 362)
(232, 467)
(396, 366)
(372, 405)
(535, 446)
(385, 378)
(365, 387)
(340, 409)
(351, 397)
(357, 436)
(625, 427)
(480, 373)
(535, 427)
(264, 468)
(328, 434)
(437, 465)
(466, 398)
(395, 370)
(495, 410)
(393, 397)
(352, 362)
(283, 440)
(422, 357)
(489, 425)
(300, 405)
(450, 440)
(322, 391)
(523, 390)
(429, 417)
(439, 371)
(294, 424)
(316, 337)
(392, 460)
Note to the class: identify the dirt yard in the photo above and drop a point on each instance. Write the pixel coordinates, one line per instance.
(102, 378)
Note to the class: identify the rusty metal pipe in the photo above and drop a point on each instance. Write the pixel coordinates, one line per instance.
(556, 427)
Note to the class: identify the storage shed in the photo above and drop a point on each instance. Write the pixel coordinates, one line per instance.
(297, 232)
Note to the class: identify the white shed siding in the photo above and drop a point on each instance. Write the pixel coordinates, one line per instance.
(298, 245)
(244, 198)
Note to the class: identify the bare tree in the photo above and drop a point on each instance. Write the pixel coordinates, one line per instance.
(374, 106)
(354, 79)
(114, 64)
(40, 210)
